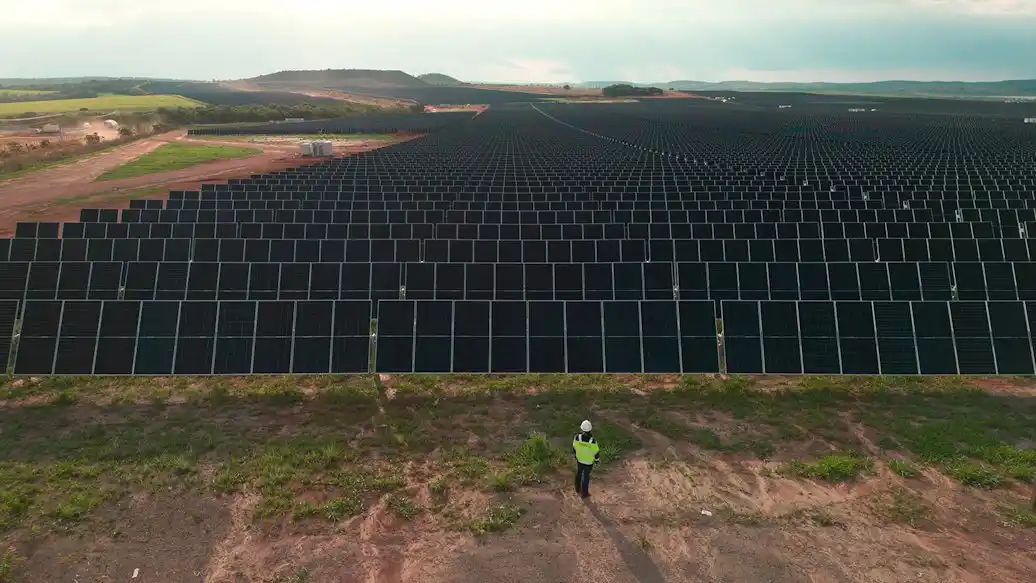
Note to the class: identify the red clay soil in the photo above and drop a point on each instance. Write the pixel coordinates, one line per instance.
(57, 194)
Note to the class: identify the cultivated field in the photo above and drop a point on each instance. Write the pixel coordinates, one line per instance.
(106, 103)
(175, 157)
(22, 92)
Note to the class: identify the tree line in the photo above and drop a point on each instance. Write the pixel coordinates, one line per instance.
(217, 114)
(623, 90)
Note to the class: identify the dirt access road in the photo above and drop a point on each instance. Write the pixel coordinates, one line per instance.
(57, 194)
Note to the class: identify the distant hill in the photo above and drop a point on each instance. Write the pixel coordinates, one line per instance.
(340, 78)
(959, 89)
(22, 82)
(440, 80)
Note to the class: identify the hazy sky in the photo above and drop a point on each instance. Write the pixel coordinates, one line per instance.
(526, 40)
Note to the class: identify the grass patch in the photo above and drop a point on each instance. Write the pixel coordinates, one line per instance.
(175, 157)
(534, 459)
(905, 507)
(974, 474)
(1018, 516)
(824, 518)
(403, 507)
(830, 468)
(340, 508)
(304, 510)
(8, 562)
(903, 468)
(105, 103)
(76, 507)
(497, 519)
(743, 518)
(463, 468)
(300, 576)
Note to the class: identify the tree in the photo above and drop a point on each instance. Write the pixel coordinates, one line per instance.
(567, 87)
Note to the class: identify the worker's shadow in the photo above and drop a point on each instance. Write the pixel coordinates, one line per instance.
(637, 561)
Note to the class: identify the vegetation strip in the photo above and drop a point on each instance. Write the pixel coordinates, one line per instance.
(71, 445)
(175, 157)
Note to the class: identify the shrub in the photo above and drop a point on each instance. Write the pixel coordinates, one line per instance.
(831, 468)
(903, 468)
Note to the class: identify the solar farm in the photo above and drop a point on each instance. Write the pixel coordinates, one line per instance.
(804, 336)
(549, 239)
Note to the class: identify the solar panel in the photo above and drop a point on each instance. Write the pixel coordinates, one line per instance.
(8, 316)
(550, 250)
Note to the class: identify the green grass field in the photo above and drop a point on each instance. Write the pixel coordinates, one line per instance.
(106, 103)
(175, 157)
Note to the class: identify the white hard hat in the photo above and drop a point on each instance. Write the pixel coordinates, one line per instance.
(585, 426)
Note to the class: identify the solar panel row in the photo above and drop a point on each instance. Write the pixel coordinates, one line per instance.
(169, 280)
(543, 217)
(231, 337)
(976, 230)
(853, 250)
(971, 209)
(163, 338)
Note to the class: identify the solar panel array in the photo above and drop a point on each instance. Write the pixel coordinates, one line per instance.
(387, 124)
(632, 238)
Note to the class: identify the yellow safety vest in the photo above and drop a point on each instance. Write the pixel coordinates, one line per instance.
(586, 451)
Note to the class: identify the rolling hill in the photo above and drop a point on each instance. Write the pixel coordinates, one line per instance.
(340, 78)
(440, 80)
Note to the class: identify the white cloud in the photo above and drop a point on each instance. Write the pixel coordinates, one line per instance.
(351, 17)
(523, 71)
(987, 7)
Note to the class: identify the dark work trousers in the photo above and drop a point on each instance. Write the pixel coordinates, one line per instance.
(583, 478)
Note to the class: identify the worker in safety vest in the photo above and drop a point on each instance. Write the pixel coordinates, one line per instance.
(587, 454)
